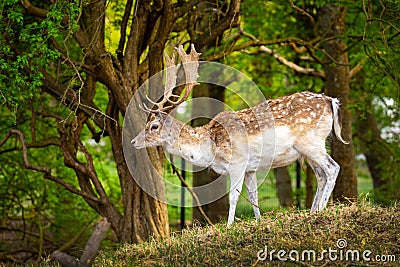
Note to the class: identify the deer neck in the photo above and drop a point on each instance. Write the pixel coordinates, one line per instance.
(192, 144)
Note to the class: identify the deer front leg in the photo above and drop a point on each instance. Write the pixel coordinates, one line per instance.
(250, 179)
(234, 193)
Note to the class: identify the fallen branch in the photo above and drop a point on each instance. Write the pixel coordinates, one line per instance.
(194, 195)
(90, 251)
(248, 200)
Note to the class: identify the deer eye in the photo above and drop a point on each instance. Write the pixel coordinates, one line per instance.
(154, 127)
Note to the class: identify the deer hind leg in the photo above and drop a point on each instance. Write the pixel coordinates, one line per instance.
(326, 171)
(250, 179)
(321, 182)
(234, 193)
(331, 168)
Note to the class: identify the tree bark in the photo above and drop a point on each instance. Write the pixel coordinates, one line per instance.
(332, 21)
(144, 215)
(284, 186)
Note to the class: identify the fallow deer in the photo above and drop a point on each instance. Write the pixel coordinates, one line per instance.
(272, 134)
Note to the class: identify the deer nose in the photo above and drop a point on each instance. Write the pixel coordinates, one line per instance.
(133, 142)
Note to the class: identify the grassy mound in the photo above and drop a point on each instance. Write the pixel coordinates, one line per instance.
(355, 235)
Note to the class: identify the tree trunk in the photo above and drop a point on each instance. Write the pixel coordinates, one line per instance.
(332, 21)
(310, 178)
(202, 111)
(284, 186)
(144, 215)
(375, 149)
(376, 153)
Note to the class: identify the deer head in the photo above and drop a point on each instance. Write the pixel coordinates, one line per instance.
(161, 128)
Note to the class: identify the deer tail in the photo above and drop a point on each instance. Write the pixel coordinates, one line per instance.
(337, 124)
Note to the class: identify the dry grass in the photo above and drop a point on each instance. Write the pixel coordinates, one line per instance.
(363, 227)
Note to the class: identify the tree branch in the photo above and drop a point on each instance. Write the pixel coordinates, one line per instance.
(282, 60)
(35, 11)
(93, 244)
(293, 66)
(70, 159)
(255, 43)
(124, 24)
(134, 44)
(69, 97)
(183, 9)
(298, 50)
(91, 170)
(38, 144)
(356, 69)
(301, 11)
(46, 170)
(230, 21)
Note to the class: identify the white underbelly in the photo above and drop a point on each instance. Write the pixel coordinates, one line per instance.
(271, 150)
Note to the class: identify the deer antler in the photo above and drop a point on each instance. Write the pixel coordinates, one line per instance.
(190, 63)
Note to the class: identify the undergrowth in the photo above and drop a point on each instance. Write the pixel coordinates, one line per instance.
(371, 232)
